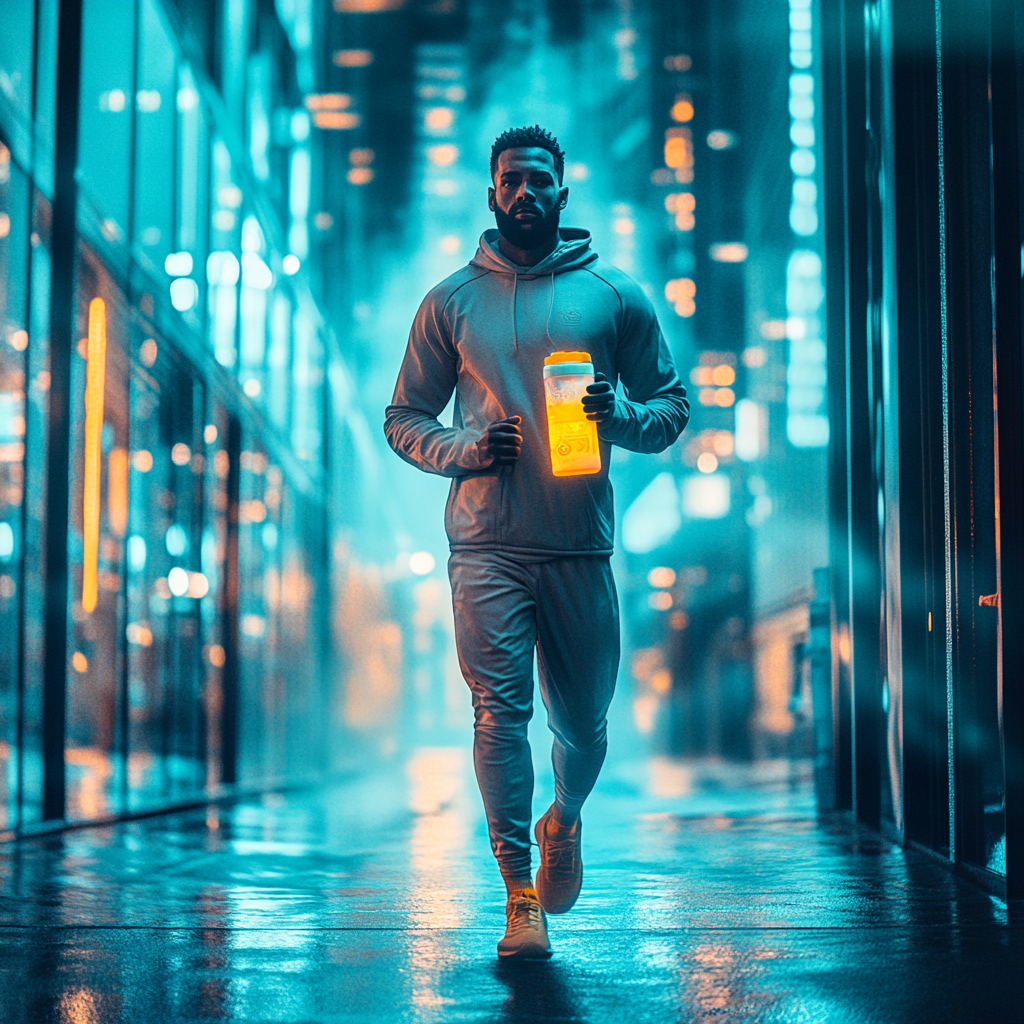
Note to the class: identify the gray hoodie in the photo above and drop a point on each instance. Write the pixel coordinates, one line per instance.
(484, 333)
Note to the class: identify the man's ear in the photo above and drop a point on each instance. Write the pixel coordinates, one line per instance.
(490, 199)
(563, 197)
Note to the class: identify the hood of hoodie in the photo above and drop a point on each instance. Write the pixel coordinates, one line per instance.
(572, 252)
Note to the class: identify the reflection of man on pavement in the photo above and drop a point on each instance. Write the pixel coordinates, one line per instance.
(530, 552)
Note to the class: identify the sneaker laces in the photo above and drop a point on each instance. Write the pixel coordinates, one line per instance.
(559, 854)
(524, 914)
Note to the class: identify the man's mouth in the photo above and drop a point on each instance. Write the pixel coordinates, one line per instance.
(526, 214)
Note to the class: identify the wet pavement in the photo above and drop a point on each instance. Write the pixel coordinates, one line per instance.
(711, 894)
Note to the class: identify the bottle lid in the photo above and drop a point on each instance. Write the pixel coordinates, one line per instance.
(567, 357)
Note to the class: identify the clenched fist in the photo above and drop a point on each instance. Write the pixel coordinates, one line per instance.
(599, 401)
(502, 441)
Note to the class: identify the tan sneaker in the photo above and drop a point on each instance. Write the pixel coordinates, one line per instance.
(560, 875)
(526, 931)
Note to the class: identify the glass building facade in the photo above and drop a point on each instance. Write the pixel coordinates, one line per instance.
(924, 262)
(167, 515)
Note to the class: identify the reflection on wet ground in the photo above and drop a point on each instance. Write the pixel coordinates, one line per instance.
(711, 894)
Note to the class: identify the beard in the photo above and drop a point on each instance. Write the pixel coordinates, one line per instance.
(529, 235)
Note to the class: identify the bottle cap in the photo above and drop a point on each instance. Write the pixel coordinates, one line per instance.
(567, 357)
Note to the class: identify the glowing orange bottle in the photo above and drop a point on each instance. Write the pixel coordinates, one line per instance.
(571, 436)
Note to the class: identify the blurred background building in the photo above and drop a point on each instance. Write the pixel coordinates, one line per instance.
(217, 220)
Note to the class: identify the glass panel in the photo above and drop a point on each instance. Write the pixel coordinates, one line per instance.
(166, 583)
(257, 279)
(307, 379)
(46, 95)
(154, 145)
(278, 356)
(98, 526)
(261, 735)
(223, 269)
(14, 250)
(36, 442)
(193, 183)
(105, 118)
(302, 621)
(16, 24)
(213, 606)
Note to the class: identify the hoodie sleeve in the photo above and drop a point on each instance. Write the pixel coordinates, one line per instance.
(425, 384)
(656, 408)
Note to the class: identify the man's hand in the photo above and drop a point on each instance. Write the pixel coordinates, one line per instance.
(502, 441)
(599, 401)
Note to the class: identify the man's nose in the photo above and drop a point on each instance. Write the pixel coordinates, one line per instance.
(525, 192)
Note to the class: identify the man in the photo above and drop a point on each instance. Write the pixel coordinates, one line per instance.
(530, 552)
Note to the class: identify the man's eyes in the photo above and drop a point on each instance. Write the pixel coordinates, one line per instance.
(537, 182)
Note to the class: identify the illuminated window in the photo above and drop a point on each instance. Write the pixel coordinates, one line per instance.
(679, 151)
(722, 140)
(678, 62)
(229, 196)
(443, 155)
(706, 496)
(661, 576)
(682, 204)
(353, 58)
(438, 119)
(178, 264)
(681, 292)
(754, 356)
(148, 100)
(682, 109)
(112, 101)
(723, 398)
(751, 430)
(729, 252)
(336, 120)
(328, 101)
(360, 175)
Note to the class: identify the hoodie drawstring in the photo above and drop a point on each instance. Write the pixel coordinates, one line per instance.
(551, 304)
(515, 319)
(515, 332)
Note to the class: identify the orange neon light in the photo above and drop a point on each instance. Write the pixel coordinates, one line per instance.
(117, 491)
(95, 374)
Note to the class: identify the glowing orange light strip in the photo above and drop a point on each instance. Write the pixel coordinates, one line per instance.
(95, 374)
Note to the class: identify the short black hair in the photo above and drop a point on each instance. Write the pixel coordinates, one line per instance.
(528, 138)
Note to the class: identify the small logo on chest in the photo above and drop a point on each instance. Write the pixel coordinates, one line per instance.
(571, 318)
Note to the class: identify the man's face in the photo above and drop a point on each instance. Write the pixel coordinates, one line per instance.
(526, 198)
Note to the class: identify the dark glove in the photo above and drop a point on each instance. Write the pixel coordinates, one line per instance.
(600, 403)
(501, 442)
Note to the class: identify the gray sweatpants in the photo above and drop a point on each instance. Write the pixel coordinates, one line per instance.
(568, 609)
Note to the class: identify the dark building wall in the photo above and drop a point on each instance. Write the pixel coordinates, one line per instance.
(924, 316)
